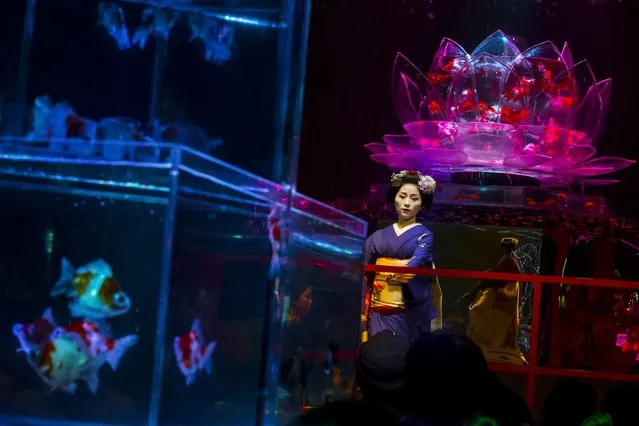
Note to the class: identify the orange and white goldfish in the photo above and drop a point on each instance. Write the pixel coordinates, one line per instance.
(93, 291)
(192, 354)
(63, 360)
(34, 335)
(100, 344)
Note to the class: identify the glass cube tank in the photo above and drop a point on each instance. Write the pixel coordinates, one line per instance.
(220, 76)
(158, 267)
(155, 293)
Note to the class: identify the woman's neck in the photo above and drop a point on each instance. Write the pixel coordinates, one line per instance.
(403, 223)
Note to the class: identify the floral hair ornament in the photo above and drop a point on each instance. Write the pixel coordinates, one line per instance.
(426, 184)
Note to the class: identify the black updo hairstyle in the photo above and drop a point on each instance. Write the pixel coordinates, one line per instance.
(409, 177)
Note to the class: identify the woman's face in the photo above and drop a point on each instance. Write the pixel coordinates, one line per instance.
(303, 305)
(408, 201)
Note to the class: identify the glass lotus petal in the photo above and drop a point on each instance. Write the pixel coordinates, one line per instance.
(599, 182)
(497, 44)
(377, 148)
(566, 55)
(422, 160)
(532, 112)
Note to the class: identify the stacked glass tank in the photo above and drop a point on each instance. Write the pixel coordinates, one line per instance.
(145, 281)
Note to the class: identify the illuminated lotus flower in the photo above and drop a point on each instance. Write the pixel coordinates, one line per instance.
(498, 109)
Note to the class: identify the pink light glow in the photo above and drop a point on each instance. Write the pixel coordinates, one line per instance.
(532, 113)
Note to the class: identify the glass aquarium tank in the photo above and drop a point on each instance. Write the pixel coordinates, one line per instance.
(159, 267)
(223, 77)
(174, 291)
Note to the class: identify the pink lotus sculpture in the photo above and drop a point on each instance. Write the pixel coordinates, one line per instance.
(532, 113)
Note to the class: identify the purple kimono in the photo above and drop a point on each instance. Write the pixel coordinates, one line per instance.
(415, 244)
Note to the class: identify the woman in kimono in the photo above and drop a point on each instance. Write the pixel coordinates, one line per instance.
(493, 315)
(404, 303)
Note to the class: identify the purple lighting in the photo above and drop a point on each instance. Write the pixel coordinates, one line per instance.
(531, 113)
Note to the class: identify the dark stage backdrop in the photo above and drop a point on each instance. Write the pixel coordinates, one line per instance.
(353, 44)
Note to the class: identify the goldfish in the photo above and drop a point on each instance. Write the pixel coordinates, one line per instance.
(436, 78)
(65, 359)
(487, 113)
(518, 92)
(191, 353)
(561, 102)
(93, 291)
(472, 197)
(217, 38)
(185, 133)
(156, 22)
(100, 344)
(76, 126)
(111, 17)
(123, 129)
(443, 73)
(60, 121)
(434, 107)
(36, 334)
(274, 227)
(511, 116)
(467, 106)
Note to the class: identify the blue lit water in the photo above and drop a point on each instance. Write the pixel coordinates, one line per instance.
(209, 261)
(220, 267)
(38, 227)
(221, 264)
(70, 74)
(214, 76)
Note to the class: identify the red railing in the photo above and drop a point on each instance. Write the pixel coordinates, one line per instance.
(532, 370)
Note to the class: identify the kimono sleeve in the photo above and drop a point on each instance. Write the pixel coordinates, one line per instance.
(370, 251)
(423, 254)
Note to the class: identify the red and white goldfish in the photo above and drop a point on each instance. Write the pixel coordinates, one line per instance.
(60, 122)
(274, 227)
(93, 291)
(36, 334)
(63, 360)
(191, 353)
(100, 344)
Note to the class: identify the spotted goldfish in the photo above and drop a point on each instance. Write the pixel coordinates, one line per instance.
(34, 335)
(100, 344)
(65, 359)
(93, 291)
(192, 354)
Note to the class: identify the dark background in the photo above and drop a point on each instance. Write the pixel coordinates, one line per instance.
(353, 44)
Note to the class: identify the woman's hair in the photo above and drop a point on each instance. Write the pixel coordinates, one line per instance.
(509, 244)
(440, 365)
(412, 178)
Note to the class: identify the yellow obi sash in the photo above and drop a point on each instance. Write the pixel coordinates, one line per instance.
(387, 290)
